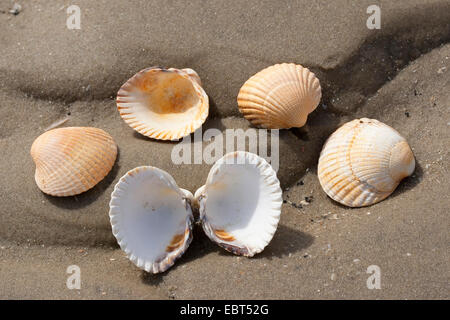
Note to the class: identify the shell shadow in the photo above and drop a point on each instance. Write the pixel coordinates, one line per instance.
(84, 199)
(152, 279)
(410, 182)
(213, 110)
(285, 241)
(199, 247)
(301, 133)
(213, 123)
(139, 136)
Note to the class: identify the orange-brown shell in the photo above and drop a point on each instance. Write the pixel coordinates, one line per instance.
(72, 160)
(164, 104)
(363, 162)
(280, 96)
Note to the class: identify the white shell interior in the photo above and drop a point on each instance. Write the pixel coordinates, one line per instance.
(149, 103)
(148, 214)
(163, 103)
(242, 200)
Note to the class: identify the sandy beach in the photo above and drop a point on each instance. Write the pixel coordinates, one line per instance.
(398, 74)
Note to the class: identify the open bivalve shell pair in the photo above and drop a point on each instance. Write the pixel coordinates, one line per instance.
(152, 218)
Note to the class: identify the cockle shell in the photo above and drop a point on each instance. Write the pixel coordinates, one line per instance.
(363, 161)
(72, 160)
(165, 104)
(280, 96)
(151, 218)
(240, 204)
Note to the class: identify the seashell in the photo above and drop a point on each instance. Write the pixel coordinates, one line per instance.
(280, 96)
(240, 204)
(151, 218)
(72, 160)
(363, 161)
(165, 104)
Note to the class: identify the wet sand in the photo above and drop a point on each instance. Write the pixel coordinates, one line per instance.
(398, 75)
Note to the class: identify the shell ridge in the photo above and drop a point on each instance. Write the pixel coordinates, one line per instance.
(152, 126)
(354, 165)
(287, 93)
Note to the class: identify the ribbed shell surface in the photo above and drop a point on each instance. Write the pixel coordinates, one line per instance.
(72, 160)
(363, 161)
(280, 96)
